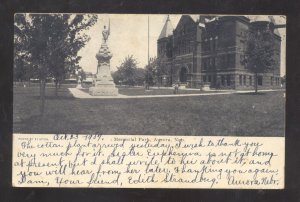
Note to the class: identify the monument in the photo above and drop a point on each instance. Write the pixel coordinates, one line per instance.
(103, 84)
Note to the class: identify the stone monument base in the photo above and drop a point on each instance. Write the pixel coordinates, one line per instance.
(104, 90)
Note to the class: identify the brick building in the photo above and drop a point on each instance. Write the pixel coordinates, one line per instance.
(209, 50)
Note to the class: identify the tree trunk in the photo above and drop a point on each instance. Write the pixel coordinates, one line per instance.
(255, 84)
(42, 96)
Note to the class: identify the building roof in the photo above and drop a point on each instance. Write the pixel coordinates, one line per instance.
(202, 19)
(254, 18)
(167, 29)
(208, 17)
(195, 17)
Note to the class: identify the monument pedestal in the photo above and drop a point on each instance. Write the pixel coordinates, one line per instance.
(103, 84)
(103, 91)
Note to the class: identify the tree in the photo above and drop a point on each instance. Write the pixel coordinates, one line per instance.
(51, 43)
(127, 72)
(22, 69)
(139, 76)
(81, 75)
(259, 53)
(155, 71)
(117, 77)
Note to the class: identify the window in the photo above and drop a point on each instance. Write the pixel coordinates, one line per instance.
(190, 68)
(228, 60)
(259, 80)
(210, 62)
(244, 80)
(250, 80)
(207, 63)
(216, 42)
(240, 79)
(209, 78)
(228, 80)
(223, 80)
(242, 59)
(225, 61)
(206, 45)
(271, 80)
(214, 79)
(204, 78)
(231, 60)
(211, 44)
(204, 63)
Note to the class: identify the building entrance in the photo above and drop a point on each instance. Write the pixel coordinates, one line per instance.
(183, 75)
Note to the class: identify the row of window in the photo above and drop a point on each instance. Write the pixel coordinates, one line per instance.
(243, 80)
(275, 81)
(183, 49)
(223, 61)
(210, 44)
(209, 63)
(215, 43)
(227, 80)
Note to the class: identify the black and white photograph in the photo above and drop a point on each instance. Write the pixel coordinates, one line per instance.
(149, 100)
(138, 74)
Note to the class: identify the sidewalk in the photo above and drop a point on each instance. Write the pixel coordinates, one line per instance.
(82, 95)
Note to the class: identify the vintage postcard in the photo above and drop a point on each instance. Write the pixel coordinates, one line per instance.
(149, 101)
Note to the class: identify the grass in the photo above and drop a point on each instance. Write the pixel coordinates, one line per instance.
(237, 114)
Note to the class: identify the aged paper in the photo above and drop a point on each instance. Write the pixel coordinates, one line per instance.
(193, 101)
(68, 160)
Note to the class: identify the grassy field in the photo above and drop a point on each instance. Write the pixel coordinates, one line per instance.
(238, 114)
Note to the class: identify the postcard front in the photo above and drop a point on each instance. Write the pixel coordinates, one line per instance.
(150, 101)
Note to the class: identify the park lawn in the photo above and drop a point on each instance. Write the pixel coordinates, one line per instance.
(236, 114)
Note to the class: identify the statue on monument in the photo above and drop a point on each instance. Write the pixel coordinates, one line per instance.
(103, 83)
(106, 32)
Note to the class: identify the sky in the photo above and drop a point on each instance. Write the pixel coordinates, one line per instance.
(129, 36)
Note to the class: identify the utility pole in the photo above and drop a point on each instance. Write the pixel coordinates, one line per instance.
(148, 58)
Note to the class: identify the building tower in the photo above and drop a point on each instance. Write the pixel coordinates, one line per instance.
(164, 51)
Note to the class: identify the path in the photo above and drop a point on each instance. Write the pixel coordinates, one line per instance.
(83, 95)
